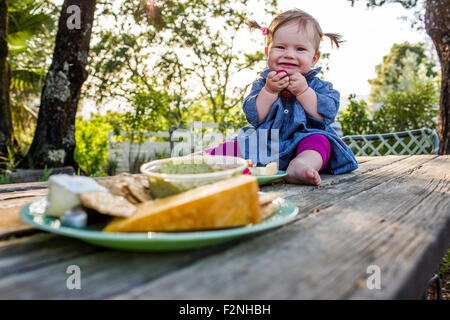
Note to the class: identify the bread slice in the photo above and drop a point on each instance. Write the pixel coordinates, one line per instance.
(227, 203)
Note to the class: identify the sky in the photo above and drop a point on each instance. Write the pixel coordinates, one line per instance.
(368, 33)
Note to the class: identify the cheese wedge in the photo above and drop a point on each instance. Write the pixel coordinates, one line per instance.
(64, 190)
(270, 169)
(227, 203)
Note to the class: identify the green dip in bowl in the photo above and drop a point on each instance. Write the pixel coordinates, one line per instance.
(175, 175)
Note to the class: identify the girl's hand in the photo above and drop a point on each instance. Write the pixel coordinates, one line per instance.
(297, 84)
(276, 82)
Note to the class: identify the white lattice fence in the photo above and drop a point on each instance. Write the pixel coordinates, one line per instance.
(197, 136)
(421, 141)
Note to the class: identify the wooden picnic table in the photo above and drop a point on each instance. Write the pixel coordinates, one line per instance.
(392, 213)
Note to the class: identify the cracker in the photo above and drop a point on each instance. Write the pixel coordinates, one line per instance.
(130, 198)
(138, 192)
(132, 188)
(107, 203)
(142, 181)
(114, 186)
(268, 197)
(269, 209)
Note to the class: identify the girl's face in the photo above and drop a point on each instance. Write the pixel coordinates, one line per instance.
(291, 50)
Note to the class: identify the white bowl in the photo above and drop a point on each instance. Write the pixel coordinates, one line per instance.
(165, 184)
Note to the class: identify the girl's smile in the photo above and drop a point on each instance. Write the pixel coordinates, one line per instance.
(288, 65)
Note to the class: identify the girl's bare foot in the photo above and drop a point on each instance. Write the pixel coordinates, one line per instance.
(299, 172)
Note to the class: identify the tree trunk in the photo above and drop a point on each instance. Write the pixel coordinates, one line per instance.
(437, 19)
(5, 112)
(54, 139)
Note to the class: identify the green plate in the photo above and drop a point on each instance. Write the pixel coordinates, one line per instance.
(266, 179)
(32, 213)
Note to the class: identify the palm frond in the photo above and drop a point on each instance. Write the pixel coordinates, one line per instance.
(17, 41)
(26, 22)
(26, 78)
(33, 24)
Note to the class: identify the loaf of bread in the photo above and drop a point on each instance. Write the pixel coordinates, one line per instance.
(227, 203)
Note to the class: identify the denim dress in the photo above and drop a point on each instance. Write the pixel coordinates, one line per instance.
(276, 137)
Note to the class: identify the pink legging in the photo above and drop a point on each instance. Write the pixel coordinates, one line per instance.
(315, 142)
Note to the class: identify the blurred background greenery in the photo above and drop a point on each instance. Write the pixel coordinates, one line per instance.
(144, 59)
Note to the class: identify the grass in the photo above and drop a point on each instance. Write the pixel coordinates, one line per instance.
(444, 271)
(4, 178)
(444, 275)
(445, 265)
(46, 174)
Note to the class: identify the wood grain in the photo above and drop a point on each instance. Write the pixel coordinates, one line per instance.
(400, 224)
(391, 212)
(328, 179)
(35, 268)
(10, 205)
(12, 198)
(15, 196)
(13, 187)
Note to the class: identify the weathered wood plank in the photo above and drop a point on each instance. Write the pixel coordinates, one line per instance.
(32, 185)
(306, 197)
(11, 202)
(98, 268)
(324, 196)
(13, 187)
(10, 205)
(37, 268)
(11, 224)
(21, 194)
(362, 159)
(6, 199)
(38, 251)
(396, 225)
(12, 198)
(32, 175)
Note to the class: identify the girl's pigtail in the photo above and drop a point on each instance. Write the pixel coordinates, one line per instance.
(252, 24)
(335, 38)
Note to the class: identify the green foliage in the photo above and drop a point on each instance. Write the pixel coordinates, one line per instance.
(406, 89)
(405, 65)
(4, 178)
(91, 151)
(355, 119)
(445, 264)
(110, 168)
(28, 19)
(231, 117)
(92, 141)
(8, 162)
(31, 32)
(412, 109)
(46, 174)
(184, 49)
(147, 106)
(137, 161)
(400, 111)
